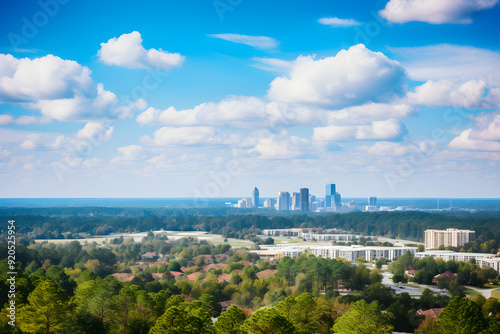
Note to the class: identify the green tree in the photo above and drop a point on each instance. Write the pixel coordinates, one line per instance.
(267, 321)
(461, 316)
(363, 318)
(48, 310)
(230, 321)
(184, 319)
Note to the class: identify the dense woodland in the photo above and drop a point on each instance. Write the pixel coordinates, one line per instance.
(71, 222)
(68, 289)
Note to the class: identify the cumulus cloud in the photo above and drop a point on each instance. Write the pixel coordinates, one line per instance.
(483, 136)
(465, 142)
(376, 130)
(129, 153)
(97, 105)
(258, 42)
(449, 92)
(336, 22)
(182, 136)
(49, 77)
(353, 77)
(487, 126)
(281, 146)
(127, 51)
(95, 132)
(242, 112)
(443, 61)
(59, 89)
(434, 12)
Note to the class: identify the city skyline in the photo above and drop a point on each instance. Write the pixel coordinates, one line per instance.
(193, 99)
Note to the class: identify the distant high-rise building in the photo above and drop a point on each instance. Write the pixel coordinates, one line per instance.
(283, 201)
(255, 198)
(304, 199)
(270, 203)
(295, 201)
(451, 237)
(243, 203)
(337, 200)
(372, 201)
(330, 192)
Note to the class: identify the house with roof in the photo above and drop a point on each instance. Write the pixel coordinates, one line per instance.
(445, 274)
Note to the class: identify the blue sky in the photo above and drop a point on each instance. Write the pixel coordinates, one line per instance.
(394, 98)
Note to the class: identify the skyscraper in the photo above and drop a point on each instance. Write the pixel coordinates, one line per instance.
(296, 201)
(338, 201)
(330, 192)
(372, 201)
(304, 199)
(283, 201)
(255, 198)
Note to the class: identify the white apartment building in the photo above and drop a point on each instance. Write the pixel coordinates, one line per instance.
(451, 237)
(482, 259)
(369, 253)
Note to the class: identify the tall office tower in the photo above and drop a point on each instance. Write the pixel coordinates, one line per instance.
(304, 199)
(337, 200)
(255, 198)
(283, 201)
(295, 201)
(372, 201)
(330, 192)
(450, 237)
(312, 199)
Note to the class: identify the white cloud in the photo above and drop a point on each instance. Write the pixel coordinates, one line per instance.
(101, 104)
(127, 51)
(241, 112)
(465, 142)
(443, 61)
(376, 130)
(336, 22)
(273, 65)
(130, 153)
(353, 77)
(449, 92)
(4, 153)
(258, 42)
(434, 11)
(49, 77)
(59, 89)
(7, 119)
(182, 136)
(369, 112)
(384, 148)
(95, 132)
(281, 146)
(487, 126)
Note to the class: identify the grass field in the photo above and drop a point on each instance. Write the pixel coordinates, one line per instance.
(495, 293)
(471, 292)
